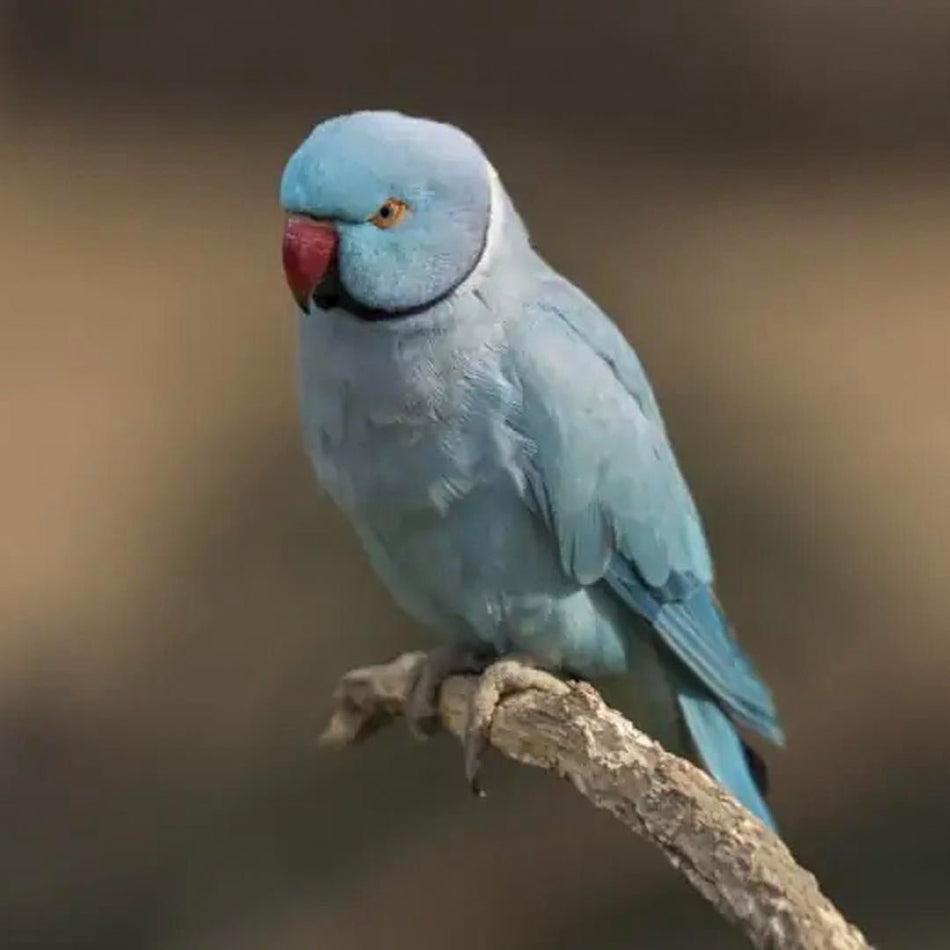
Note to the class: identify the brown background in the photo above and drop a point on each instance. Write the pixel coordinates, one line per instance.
(757, 191)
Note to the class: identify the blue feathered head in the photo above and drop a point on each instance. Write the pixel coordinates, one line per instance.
(386, 213)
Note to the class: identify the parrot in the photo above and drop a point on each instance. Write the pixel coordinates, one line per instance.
(497, 447)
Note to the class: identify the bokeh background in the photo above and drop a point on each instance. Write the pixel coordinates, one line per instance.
(758, 192)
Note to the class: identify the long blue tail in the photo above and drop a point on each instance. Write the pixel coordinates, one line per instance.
(721, 751)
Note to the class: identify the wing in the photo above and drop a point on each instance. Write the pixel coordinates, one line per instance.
(602, 474)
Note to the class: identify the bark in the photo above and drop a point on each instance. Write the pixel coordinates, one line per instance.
(741, 867)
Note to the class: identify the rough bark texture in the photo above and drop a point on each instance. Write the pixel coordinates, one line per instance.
(743, 869)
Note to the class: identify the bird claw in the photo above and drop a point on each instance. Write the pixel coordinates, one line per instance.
(511, 675)
(422, 703)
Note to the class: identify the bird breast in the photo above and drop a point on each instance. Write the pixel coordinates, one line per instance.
(402, 422)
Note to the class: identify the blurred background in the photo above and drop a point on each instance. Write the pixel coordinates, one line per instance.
(758, 192)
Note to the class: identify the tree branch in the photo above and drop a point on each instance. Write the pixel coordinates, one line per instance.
(741, 867)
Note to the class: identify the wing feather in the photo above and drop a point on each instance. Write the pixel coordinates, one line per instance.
(603, 476)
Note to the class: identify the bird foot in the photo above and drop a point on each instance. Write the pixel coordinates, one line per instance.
(422, 704)
(499, 679)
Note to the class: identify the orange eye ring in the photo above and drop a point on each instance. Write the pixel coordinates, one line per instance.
(390, 213)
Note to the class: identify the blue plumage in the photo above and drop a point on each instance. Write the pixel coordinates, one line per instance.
(497, 445)
(720, 750)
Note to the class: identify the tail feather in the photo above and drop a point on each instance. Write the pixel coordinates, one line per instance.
(723, 753)
(758, 768)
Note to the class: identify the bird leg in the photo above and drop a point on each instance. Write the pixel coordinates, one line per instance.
(514, 674)
(422, 703)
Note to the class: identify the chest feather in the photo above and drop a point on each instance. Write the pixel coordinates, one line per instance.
(404, 423)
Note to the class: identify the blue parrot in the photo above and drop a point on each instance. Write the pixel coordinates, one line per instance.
(496, 444)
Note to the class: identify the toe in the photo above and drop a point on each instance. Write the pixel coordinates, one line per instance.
(422, 704)
(422, 712)
(500, 679)
(476, 741)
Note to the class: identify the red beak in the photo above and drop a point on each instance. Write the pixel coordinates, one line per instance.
(309, 248)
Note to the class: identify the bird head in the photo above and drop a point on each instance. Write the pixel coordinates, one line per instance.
(386, 213)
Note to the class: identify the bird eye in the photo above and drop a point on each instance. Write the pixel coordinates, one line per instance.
(390, 213)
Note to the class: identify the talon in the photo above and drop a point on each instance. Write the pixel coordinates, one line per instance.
(424, 725)
(476, 741)
(506, 676)
(422, 703)
(422, 711)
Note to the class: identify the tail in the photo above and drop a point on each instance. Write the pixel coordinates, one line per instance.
(723, 753)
